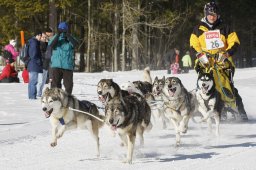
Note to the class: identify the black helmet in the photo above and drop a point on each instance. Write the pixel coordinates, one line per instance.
(211, 8)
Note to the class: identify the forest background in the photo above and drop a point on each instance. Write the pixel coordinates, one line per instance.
(127, 34)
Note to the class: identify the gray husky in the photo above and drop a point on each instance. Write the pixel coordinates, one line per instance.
(107, 89)
(143, 88)
(128, 118)
(179, 105)
(157, 88)
(56, 103)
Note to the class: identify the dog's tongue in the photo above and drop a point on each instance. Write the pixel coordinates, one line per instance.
(171, 93)
(130, 91)
(113, 127)
(46, 115)
(102, 99)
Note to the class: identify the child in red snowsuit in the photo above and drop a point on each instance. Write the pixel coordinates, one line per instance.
(9, 74)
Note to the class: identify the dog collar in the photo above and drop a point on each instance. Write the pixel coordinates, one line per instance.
(61, 120)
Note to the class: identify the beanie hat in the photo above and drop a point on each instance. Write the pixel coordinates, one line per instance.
(63, 26)
(211, 8)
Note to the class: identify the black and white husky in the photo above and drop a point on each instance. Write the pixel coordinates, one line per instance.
(209, 100)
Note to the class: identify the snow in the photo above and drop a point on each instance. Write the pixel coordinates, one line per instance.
(25, 134)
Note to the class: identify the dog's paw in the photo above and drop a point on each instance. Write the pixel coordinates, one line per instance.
(129, 161)
(177, 144)
(53, 144)
(122, 144)
(183, 129)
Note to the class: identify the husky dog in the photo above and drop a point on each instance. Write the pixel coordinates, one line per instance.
(56, 102)
(209, 100)
(130, 87)
(107, 89)
(157, 88)
(128, 117)
(143, 88)
(179, 105)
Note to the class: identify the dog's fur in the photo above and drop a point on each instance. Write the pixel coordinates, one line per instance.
(157, 88)
(128, 117)
(143, 88)
(179, 105)
(209, 100)
(107, 89)
(56, 102)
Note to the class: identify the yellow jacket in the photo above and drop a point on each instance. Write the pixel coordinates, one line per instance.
(227, 35)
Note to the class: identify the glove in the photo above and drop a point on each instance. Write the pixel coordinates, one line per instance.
(198, 55)
(223, 57)
(61, 31)
(202, 58)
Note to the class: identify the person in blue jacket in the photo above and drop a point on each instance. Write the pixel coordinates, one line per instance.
(62, 60)
(35, 64)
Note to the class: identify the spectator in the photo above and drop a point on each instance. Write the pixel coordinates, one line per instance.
(173, 54)
(48, 54)
(35, 65)
(186, 62)
(177, 55)
(11, 48)
(42, 77)
(9, 74)
(62, 60)
(174, 67)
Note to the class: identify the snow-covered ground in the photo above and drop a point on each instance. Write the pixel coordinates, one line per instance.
(25, 134)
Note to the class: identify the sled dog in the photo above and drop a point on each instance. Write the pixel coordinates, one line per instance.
(179, 105)
(209, 100)
(157, 88)
(143, 88)
(128, 117)
(56, 102)
(107, 89)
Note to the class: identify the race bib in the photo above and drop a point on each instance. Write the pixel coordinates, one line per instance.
(212, 40)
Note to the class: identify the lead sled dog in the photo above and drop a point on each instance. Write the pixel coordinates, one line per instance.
(56, 103)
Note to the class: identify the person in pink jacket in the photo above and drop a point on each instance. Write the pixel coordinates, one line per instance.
(11, 49)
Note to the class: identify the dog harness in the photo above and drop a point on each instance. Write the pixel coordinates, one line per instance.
(61, 120)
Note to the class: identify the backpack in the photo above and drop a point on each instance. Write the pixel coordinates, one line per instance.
(7, 54)
(24, 54)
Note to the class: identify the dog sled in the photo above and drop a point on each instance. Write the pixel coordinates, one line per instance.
(222, 70)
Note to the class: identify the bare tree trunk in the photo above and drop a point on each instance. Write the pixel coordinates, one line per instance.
(88, 54)
(135, 44)
(116, 33)
(52, 15)
(82, 51)
(123, 38)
